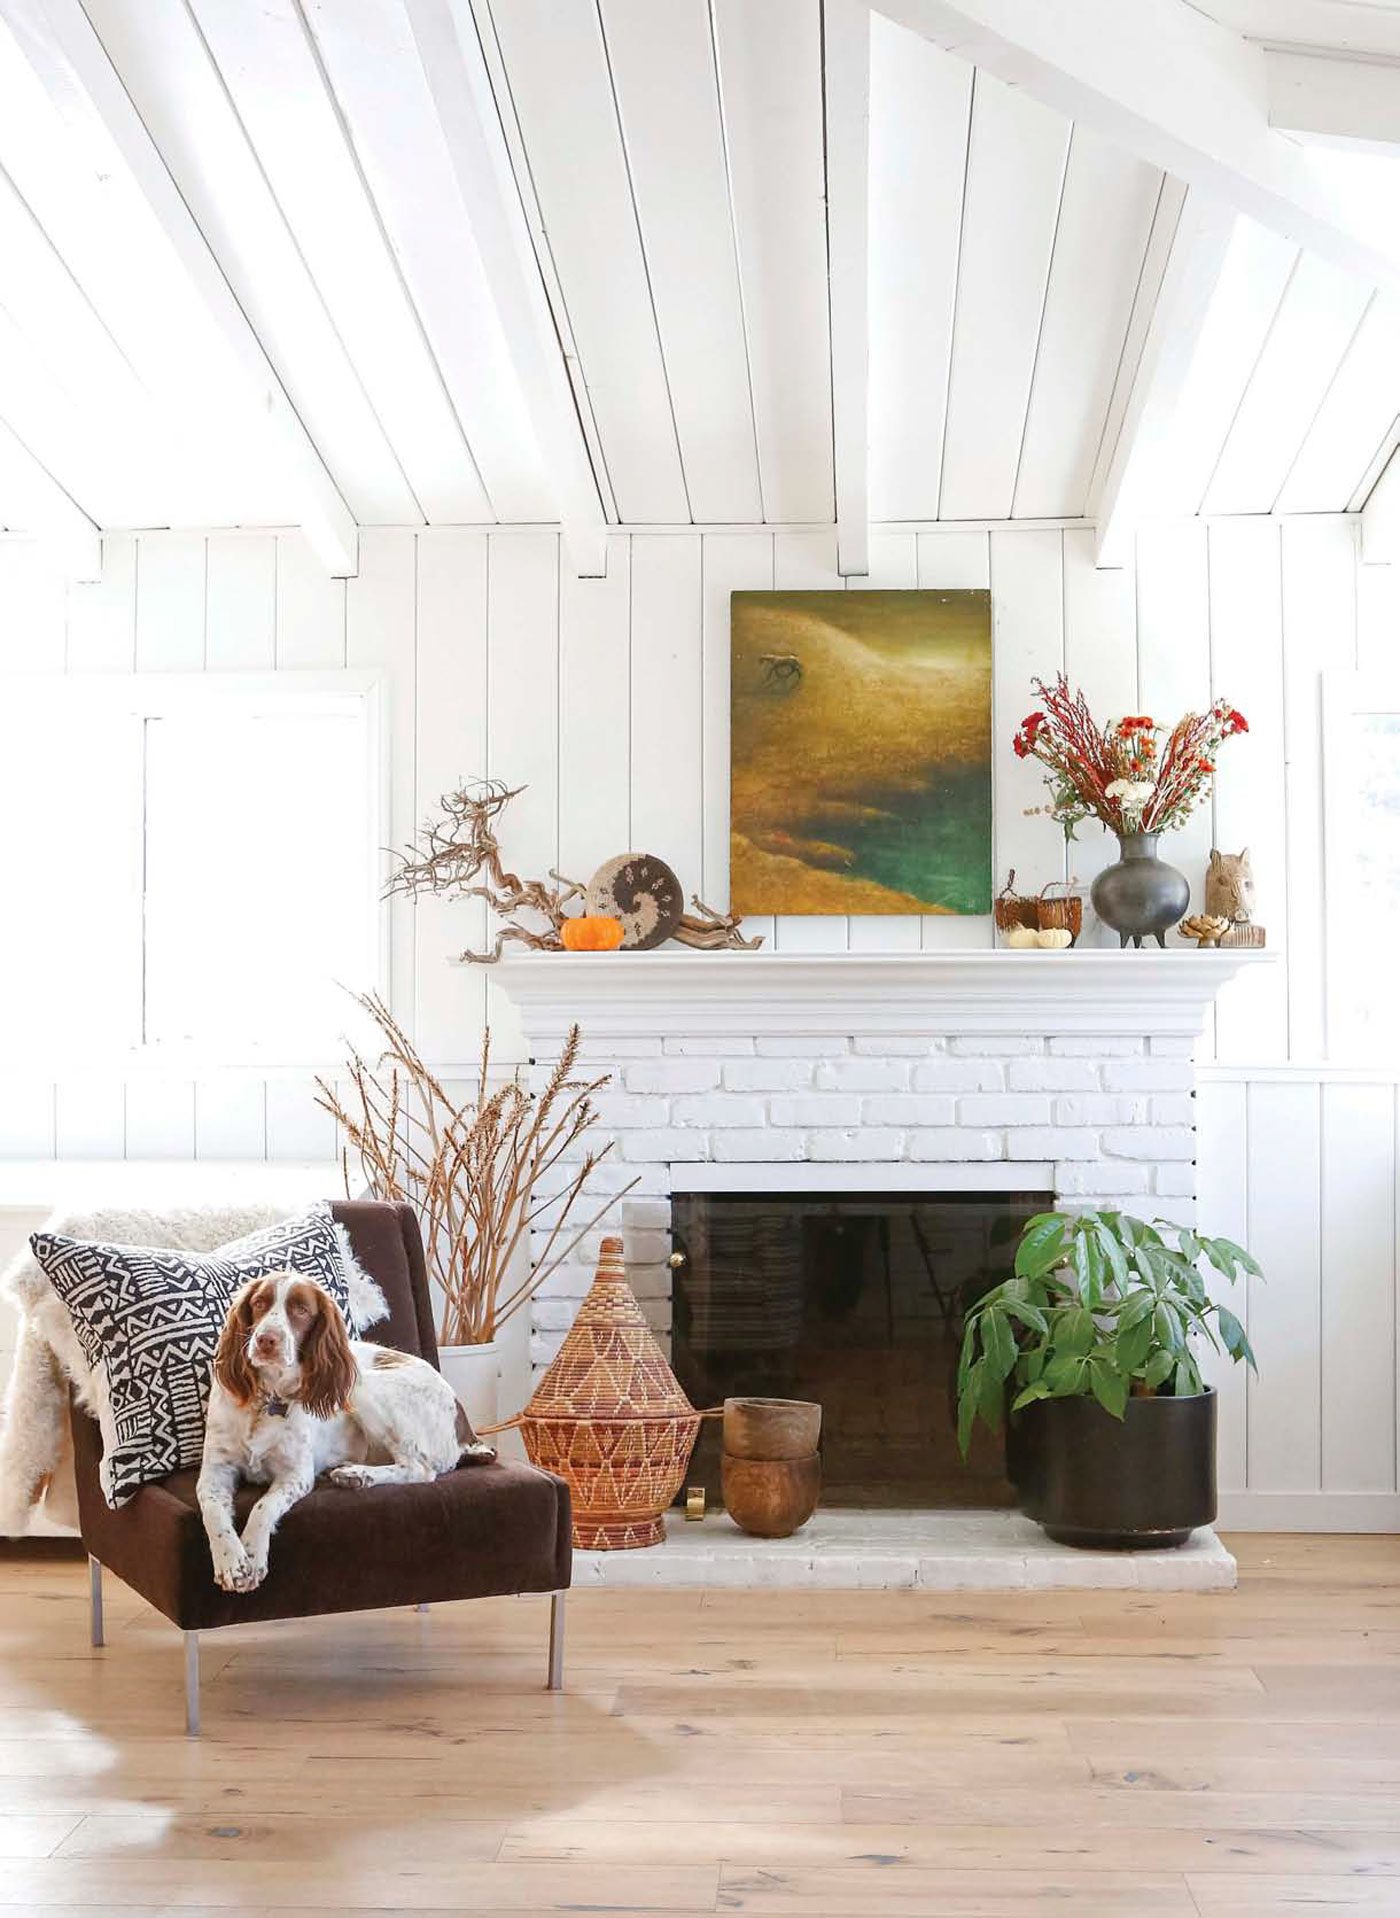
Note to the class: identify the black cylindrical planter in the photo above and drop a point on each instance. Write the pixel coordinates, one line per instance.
(1145, 1481)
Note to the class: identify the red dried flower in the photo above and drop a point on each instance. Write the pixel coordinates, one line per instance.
(1020, 745)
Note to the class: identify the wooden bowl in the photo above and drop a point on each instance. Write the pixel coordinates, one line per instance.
(771, 1428)
(771, 1498)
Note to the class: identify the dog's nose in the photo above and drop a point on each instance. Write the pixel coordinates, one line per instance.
(266, 1343)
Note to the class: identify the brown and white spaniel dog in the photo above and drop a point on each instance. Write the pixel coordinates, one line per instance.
(292, 1396)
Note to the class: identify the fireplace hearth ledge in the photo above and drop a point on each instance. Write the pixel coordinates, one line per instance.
(933, 1551)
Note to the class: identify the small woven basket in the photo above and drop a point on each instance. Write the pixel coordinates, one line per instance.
(609, 1417)
(1011, 909)
(1062, 912)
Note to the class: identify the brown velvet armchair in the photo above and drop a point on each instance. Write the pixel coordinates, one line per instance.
(482, 1531)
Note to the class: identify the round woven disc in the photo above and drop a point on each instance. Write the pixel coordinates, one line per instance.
(643, 893)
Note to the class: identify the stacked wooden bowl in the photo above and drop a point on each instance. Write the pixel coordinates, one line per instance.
(771, 1471)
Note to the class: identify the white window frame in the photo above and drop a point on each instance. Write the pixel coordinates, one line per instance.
(140, 697)
(1346, 696)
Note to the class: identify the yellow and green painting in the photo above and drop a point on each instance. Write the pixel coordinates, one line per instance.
(861, 752)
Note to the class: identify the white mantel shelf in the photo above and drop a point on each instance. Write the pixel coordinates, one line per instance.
(678, 993)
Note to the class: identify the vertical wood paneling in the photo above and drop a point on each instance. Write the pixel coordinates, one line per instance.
(1101, 656)
(522, 738)
(26, 1117)
(771, 92)
(1174, 633)
(89, 1118)
(806, 563)
(159, 1117)
(730, 563)
(102, 612)
(1377, 618)
(1029, 643)
(380, 634)
(1319, 634)
(1358, 1295)
(33, 629)
(451, 751)
(594, 699)
(920, 100)
(1015, 168)
(170, 582)
(310, 609)
(241, 611)
(297, 1128)
(230, 1118)
(1222, 1194)
(667, 705)
(1246, 630)
(1285, 1307)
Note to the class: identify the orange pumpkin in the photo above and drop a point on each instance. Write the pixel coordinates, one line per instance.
(592, 932)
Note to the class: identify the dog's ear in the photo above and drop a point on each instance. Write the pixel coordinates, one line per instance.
(231, 1364)
(328, 1369)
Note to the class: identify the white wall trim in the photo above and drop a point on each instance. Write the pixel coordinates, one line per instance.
(1309, 1512)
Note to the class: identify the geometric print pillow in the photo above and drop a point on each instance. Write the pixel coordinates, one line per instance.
(152, 1319)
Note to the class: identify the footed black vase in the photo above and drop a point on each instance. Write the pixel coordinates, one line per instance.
(1140, 895)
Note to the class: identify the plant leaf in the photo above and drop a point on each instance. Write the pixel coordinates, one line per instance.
(1109, 1387)
(1042, 1247)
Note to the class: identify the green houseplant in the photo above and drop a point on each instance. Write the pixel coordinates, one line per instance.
(1092, 1343)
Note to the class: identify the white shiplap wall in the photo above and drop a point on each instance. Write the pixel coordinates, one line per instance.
(610, 698)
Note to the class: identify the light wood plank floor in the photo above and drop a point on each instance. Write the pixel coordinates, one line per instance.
(962, 1756)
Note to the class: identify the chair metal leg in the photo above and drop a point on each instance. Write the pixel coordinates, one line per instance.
(556, 1641)
(420, 1608)
(192, 1684)
(95, 1600)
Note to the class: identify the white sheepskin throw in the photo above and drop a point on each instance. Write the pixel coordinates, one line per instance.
(34, 1439)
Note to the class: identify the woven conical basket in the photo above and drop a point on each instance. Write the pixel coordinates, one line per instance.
(610, 1418)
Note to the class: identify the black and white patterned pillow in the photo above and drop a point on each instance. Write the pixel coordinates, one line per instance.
(151, 1319)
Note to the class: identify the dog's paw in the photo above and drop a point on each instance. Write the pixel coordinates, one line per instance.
(477, 1453)
(231, 1568)
(252, 1573)
(355, 1475)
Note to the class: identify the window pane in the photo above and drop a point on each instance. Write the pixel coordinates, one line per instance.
(260, 879)
(70, 814)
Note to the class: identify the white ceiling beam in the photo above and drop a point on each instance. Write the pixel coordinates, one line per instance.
(1380, 518)
(450, 52)
(32, 500)
(69, 61)
(1168, 83)
(1123, 493)
(1332, 97)
(846, 81)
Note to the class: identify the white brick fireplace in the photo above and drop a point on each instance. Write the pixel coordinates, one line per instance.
(1070, 1072)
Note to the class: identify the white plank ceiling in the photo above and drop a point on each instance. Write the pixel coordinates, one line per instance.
(671, 168)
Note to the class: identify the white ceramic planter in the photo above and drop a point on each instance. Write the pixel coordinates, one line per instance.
(474, 1373)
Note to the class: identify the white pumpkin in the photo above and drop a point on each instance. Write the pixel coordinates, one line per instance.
(1054, 939)
(1022, 938)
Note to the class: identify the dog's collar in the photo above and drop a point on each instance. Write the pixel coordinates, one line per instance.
(276, 1408)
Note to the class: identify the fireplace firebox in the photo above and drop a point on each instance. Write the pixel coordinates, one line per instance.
(854, 1299)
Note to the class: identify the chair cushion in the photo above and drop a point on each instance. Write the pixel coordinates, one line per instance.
(477, 1532)
(152, 1319)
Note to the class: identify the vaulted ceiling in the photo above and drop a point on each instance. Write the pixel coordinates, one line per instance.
(251, 271)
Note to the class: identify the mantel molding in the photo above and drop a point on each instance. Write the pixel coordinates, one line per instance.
(677, 993)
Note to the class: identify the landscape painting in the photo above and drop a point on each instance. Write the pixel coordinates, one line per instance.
(861, 752)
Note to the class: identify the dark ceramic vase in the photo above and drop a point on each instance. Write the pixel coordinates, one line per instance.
(1140, 895)
(1144, 1481)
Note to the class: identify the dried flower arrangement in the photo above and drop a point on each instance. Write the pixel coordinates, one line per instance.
(1132, 774)
(460, 855)
(471, 1168)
